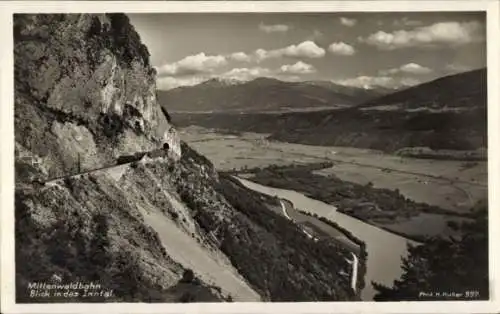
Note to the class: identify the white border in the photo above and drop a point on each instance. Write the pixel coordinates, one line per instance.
(7, 151)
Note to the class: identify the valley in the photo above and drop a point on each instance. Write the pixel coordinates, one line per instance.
(448, 188)
(384, 200)
(450, 184)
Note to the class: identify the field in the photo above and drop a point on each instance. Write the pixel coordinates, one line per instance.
(450, 184)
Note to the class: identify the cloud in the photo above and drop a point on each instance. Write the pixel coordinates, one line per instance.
(306, 49)
(203, 64)
(198, 68)
(170, 82)
(415, 68)
(239, 74)
(457, 68)
(276, 28)
(370, 82)
(298, 68)
(348, 22)
(289, 72)
(248, 74)
(410, 68)
(245, 74)
(443, 33)
(240, 56)
(409, 81)
(195, 64)
(315, 35)
(342, 49)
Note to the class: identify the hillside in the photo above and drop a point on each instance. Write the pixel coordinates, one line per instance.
(389, 123)
(162, 227)
(464, 90)
(261, 94)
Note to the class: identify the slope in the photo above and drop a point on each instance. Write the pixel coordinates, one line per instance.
(460, 91)
(84, 95)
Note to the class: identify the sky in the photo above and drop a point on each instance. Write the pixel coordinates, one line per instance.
(367, 50)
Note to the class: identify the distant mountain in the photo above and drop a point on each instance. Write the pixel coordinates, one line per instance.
(353, 91)
(463, 90)
(262, 94)
(454, 118)
(219, 82)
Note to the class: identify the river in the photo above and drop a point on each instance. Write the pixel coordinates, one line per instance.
(384, 249)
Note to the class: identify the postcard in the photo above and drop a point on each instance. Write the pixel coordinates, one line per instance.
(249, 157)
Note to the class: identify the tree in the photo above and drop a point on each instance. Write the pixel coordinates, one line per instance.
(445, 265)
(98, 255)
(188, 276)
(125, 276)
(187, 297)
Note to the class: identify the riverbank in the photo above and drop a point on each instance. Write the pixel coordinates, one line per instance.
(383, 208)
(277, 258)
(384, 250)
(480, 154)
(321, 229)
(360, 251)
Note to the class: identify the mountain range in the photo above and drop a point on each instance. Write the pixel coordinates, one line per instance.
(262, 95)
(447, 113)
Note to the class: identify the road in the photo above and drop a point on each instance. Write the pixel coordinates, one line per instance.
(115, 171)
(189, 251)
(354, 274)
(110, 167)
(287, 204)
(284, 205)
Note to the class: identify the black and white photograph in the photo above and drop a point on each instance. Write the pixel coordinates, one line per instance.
(224, 157)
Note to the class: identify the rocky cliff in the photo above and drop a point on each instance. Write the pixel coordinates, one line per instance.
(157, 229)
(84, 89)
(85, 94)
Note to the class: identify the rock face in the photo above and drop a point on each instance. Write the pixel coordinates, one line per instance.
(85, 94)
(87, 82)
(156, 229)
